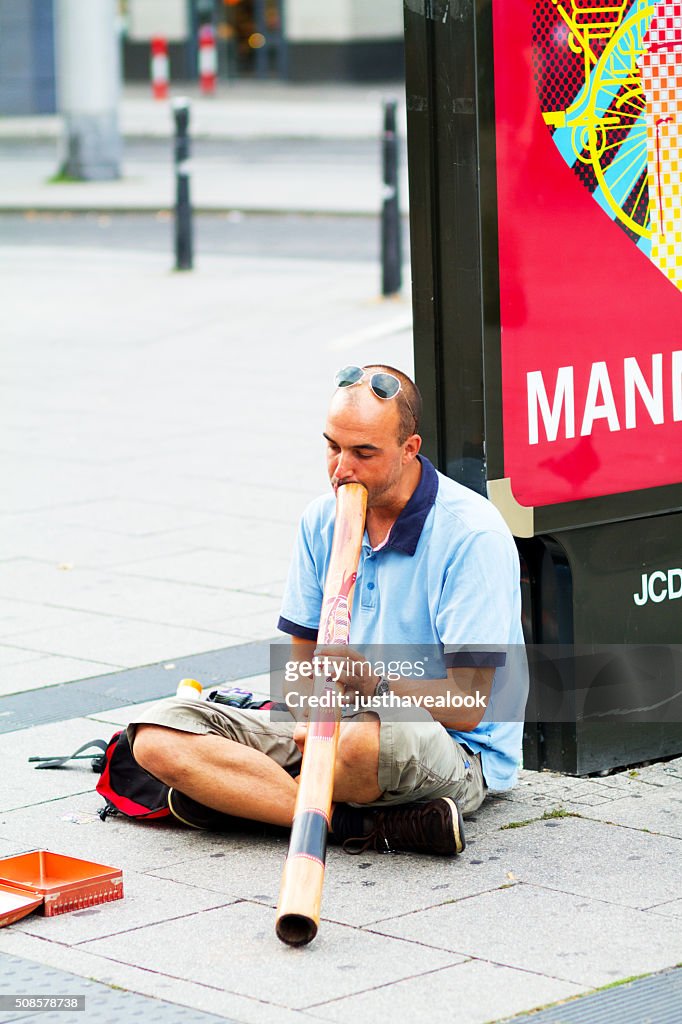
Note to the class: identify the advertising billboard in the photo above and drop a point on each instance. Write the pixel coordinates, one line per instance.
(588, 141)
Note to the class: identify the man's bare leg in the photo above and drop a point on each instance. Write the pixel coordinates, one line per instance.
(235, 779)
(357, 760)
(218, 773)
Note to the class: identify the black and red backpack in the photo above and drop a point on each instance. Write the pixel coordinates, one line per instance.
(126, 787)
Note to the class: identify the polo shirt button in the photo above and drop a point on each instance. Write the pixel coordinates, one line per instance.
(370, 586)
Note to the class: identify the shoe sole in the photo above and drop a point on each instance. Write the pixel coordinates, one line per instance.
(174, 812)
(457, 825)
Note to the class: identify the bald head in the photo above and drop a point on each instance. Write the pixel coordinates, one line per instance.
(401, 413)
(357, 407)
(408, 400)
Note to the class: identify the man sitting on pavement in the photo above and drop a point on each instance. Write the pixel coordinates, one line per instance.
(438, 567)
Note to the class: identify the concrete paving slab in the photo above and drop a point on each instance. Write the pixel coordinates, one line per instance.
(18, 616)
(238, 570)
(121, 716)
(260, 626)
(358, 890)
(234, 938)
(133, 518)
(82, 547)
(271, 502)
(124, 642)
(567, 937)
(25, 578)
(552, 785)
(474, 992)
(71, 825)
(655, 813)
(670, 909)
(9, 848)
(25, 787)
(588, 858)
(500, 810)
(97, 591)
(10, 656)
(233, 532)
(370, 888)
(659, 773)
(207, 998)
(35, 671)
(50, 485)
(147, 900)
(212, 460)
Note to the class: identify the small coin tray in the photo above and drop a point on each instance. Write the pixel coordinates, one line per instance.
(61, 883)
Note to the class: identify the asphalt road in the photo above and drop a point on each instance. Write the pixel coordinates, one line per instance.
(246, 151)
(284, 235)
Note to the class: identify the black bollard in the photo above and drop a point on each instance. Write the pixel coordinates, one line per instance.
(183, 207)
(391, 254)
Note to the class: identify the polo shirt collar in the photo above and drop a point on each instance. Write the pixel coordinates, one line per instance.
(407, 529)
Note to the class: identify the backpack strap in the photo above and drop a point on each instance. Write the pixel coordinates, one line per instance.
(78, 755)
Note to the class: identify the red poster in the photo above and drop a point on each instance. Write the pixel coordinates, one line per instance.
(589, 161)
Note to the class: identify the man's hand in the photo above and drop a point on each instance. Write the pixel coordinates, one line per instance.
(349, 670)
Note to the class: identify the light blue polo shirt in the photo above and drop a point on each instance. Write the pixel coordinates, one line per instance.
(448, 576)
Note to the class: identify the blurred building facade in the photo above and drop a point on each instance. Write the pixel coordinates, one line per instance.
(27, 63)
(289, 40)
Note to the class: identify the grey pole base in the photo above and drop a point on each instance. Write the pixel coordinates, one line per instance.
(91, 147)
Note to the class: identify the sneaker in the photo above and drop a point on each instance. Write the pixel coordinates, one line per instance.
(431, 827)
(191, 812)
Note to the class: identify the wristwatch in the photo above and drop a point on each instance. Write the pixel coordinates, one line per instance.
(382, 688)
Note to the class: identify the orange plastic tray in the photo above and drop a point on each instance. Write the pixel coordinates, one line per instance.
(63, 883)
(16, 903)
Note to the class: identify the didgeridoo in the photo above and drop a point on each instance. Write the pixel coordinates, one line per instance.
(300, 894)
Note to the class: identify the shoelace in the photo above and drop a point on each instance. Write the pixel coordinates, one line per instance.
(368, 842)
(408, 827)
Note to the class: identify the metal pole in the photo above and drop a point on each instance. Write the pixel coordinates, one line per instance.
(88, 88)
(391, 254)
(183, 207)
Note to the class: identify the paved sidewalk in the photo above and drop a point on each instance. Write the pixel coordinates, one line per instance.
(566, 886)
(254, 112)
(243, 110)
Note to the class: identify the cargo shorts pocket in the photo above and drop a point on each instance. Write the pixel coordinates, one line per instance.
(421, 761)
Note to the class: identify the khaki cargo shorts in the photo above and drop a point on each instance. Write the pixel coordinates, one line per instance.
(418, 759)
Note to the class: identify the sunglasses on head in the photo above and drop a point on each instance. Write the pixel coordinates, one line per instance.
(382, 384)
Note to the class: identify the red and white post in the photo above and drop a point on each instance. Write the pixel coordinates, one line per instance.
(208, 60)
(159, 68)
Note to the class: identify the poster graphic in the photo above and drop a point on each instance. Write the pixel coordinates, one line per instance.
(588, 97)
(618, 123)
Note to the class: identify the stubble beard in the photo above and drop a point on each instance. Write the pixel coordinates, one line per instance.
(376, 494)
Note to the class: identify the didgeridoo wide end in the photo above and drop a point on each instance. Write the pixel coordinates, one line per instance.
(296, 929)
